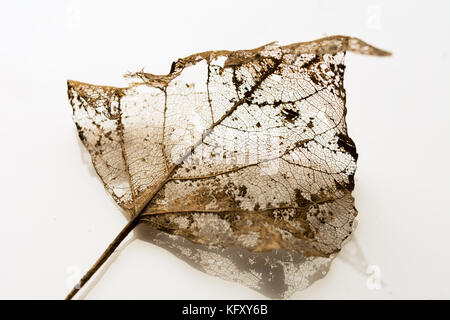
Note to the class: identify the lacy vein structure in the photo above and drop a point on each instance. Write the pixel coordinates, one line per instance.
(241, 159)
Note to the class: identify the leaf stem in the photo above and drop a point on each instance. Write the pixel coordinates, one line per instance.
(106, 254)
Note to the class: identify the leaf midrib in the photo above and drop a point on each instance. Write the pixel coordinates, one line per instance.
(151, 193)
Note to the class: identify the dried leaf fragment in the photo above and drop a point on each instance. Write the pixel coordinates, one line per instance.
(232, 149)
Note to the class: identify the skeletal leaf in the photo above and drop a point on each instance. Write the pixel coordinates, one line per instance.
(240, 159)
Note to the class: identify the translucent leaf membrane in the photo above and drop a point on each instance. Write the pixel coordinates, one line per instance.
(241, 158)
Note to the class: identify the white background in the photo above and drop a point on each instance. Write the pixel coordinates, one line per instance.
(56, 216)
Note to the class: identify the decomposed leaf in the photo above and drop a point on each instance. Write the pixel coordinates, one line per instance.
(242, 158)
